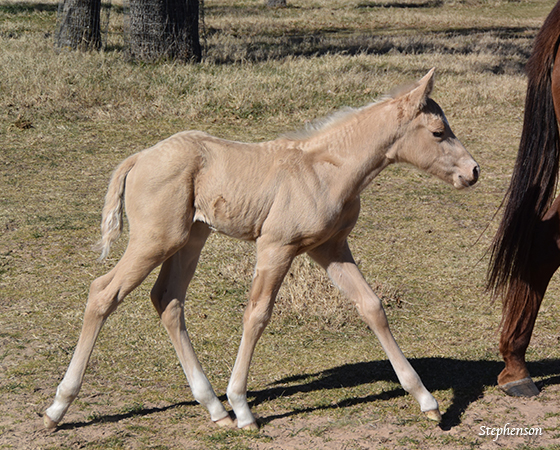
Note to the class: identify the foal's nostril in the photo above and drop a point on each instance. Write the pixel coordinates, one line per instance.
(476, 173)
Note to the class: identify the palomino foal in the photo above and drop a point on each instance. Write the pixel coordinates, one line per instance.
(290, 196)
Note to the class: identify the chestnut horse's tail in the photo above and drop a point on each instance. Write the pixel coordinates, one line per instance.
(112, 216)
(532, 186)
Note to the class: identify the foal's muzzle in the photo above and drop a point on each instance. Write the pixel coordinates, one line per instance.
(468, 179)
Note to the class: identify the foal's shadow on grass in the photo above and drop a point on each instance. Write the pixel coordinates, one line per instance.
(113, 418)
(467, 379)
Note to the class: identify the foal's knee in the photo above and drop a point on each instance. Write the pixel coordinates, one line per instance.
(257, 315)
(172, 315)
(371, 310)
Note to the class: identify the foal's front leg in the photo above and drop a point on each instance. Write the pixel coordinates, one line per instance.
(337, 259)
(272, 264)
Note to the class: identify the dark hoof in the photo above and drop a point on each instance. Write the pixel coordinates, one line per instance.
(521, 388)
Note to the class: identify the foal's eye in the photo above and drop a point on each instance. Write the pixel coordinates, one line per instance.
(437, 134)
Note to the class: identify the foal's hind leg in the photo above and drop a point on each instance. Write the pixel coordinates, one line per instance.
(105, 294)
(336, 258)
(168, 297)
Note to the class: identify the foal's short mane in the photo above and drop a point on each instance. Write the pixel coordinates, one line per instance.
(321, 124)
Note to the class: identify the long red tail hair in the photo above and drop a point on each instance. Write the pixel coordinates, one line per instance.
(532, 187)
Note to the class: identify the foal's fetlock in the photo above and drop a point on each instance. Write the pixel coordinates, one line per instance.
(62, 401)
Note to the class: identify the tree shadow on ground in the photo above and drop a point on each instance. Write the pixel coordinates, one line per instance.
(510, 47)
(467, 380)
(28, 7)
(402, 5)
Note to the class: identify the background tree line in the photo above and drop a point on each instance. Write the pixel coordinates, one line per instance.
(156, 29)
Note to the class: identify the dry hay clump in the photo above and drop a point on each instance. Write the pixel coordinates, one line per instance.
(309, 296)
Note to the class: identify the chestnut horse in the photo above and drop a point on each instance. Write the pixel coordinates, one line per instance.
(525, 252)
(291, 196)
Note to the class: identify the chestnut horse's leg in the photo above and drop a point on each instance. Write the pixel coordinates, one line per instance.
(273, 261)
(106, 292)
(168, 297)
(336, 258)
(517, 325)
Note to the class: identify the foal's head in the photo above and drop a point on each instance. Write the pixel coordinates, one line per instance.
(427, 141)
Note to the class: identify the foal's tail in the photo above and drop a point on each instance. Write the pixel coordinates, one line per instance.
(533, 182)
(112, 216)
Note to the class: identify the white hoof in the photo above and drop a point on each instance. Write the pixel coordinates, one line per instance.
(226, 422)
(49, 423)
(433, 414)
(251, 427)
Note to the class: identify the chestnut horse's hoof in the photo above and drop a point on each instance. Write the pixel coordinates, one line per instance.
(49, 423)
(521, 388)
(433, 414)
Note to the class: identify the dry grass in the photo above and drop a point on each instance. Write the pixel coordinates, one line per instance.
(66, 119)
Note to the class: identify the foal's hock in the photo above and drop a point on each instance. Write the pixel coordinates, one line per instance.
(291, 196)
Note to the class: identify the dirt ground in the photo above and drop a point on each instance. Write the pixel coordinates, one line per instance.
(157, 426)
(391, 435)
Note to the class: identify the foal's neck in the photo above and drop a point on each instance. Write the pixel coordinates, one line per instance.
(357, 148)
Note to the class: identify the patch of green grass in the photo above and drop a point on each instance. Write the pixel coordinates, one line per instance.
(112, 442)
(235, 439)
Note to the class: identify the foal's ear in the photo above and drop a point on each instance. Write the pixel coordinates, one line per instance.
(417, 97)
(420, 94)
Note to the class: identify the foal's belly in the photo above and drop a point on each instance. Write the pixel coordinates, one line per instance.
(235, 219)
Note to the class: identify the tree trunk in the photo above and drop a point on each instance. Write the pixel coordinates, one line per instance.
(79, 25)
(164, 29)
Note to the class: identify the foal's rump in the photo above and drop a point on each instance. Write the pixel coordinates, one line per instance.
(191, 176)
(156, 188)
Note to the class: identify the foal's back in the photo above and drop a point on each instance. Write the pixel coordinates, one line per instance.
(244, 190)
(233, 187)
